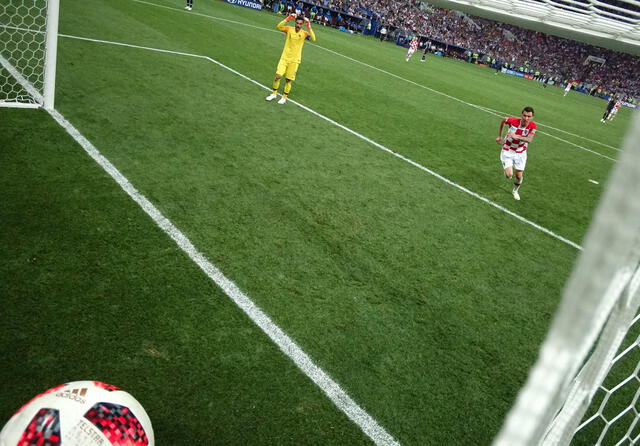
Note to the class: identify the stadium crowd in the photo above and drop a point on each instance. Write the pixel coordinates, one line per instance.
(461, 35)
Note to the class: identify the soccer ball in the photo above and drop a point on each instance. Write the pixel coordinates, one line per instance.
(87, 413)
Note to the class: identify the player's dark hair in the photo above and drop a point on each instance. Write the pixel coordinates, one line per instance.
(528, 109)
(300, 17)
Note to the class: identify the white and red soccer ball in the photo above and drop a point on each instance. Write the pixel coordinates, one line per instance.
(87, 413)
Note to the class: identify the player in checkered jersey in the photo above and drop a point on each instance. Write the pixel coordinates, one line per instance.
(614, 110)
(413, 45)
(520, 133)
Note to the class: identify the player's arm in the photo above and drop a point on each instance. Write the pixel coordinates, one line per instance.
(281, 26)
(502, 123)
(312, 35)
(527, 138)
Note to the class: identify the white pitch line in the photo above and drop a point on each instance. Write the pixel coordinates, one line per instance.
(303, 361)
(353, 132)
(479, 107)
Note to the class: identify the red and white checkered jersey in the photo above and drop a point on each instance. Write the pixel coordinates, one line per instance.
(414, 44)
(514, 127)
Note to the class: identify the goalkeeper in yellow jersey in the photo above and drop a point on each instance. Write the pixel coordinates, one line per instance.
(291, 54)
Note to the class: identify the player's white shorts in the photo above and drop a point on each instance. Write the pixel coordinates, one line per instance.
(510, 158)
(410, 52)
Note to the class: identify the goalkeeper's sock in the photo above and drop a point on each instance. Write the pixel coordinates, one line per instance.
(287, 89)
(276, 85)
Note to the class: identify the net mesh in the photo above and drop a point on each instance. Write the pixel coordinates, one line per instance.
(612, 418)
(22, 51)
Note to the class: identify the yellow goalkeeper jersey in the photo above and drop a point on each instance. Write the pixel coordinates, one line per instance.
(292, 51)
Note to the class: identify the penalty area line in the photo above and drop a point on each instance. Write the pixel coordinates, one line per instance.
(354, 133)
(303, 361)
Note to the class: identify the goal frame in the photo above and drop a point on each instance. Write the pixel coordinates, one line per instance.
(46, 98)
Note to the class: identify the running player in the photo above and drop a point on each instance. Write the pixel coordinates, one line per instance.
(614, 110)
(412, 48)
(291, 54)
(520, 133)
(612, 103)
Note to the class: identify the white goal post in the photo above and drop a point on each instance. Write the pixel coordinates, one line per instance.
(28, 51)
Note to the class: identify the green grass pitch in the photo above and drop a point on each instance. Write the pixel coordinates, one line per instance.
(425, 303)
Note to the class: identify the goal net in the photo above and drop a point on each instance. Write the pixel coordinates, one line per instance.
(585, 386)
(28, 40)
